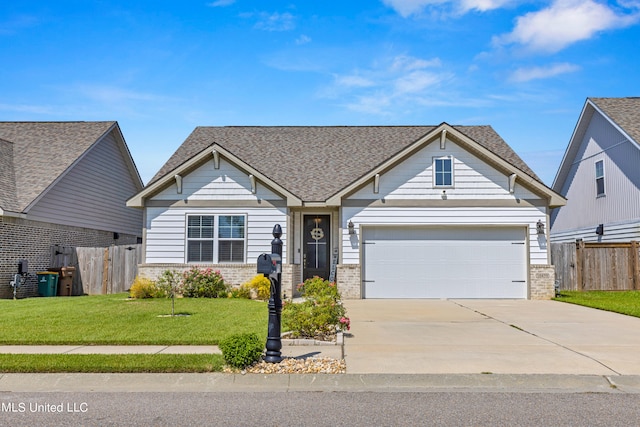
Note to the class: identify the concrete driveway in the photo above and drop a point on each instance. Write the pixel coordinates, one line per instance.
(489, 336)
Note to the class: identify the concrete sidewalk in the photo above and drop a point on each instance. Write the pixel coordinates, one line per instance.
(290, 348)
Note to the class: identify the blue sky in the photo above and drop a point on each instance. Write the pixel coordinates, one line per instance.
(162, 68)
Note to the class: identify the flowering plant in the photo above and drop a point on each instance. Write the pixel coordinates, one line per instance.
(345, 323)
(205, 283)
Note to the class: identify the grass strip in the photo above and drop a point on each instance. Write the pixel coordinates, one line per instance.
(623, 302)
(110, 363)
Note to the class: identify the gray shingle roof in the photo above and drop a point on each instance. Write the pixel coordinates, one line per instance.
(625, 112)
(41, 152)
(316, 162)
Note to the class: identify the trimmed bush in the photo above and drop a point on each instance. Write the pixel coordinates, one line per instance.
(260, 285)
(320, 316)
(143, 288)
(241, 350)
(197, 283)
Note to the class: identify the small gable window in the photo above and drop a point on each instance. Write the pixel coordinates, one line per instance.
(216, 238)
(443, 171)
(599, 178)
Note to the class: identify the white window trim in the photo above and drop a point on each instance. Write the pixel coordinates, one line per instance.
(603, 177)
(453, 175)
(216, 240)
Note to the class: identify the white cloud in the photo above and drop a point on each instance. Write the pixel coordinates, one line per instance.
(353, 81)
(482, 5)
(535, 73)
(398, 81)
(563, 23)
(303, 39)
(406, 8)
(221, 3)
(275, 21)
(408, 63)
(416, 82)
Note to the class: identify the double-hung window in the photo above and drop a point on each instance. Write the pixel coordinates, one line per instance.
(443, 171)
(599, 178)
(216, 238)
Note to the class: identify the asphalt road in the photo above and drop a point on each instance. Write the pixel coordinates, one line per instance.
(467, 408)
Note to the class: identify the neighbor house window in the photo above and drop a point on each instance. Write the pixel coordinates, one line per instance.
(600, 178)
(216, 238)
(443, 171)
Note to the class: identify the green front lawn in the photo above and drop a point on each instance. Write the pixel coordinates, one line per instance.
(115, 319)
(623, 302)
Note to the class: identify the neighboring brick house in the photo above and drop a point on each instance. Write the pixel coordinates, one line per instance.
(62, 183)
(388, 211)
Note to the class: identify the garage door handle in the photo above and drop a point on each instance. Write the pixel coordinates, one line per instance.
(517, 243)
(518, 281)
(368, 281)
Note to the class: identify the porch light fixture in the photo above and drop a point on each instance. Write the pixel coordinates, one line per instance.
(351, 227)
(540, 227)
(600, 230)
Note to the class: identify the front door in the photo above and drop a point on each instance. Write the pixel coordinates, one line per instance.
(317, 246)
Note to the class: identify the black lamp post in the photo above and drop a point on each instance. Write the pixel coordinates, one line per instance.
(274, 340)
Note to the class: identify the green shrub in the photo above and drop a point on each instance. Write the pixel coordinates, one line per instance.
(261, 286)
(206, 283)
(143, 288)
(240, 292)
(320, 315)
(241, 350)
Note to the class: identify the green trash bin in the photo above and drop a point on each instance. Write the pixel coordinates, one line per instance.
(47, 283)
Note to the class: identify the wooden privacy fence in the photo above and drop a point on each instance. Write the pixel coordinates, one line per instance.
(100, 271)
(586, 266)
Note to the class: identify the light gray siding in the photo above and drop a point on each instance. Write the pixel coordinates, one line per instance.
(92, 193)
(619, 208)
(166, 231)
(473, 178)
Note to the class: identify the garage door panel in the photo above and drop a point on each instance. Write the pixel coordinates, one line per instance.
(424, 263)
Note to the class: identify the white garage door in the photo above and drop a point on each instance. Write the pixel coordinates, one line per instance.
(453, 262)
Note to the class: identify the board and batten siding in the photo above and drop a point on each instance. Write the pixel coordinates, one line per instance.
(166, 226)
(93, 193)
(476, 185)
(166, 231)
(444, 217)
(225, 183)
(473, 179)
(619, 208)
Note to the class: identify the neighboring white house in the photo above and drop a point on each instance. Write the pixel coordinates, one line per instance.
(388, 211)
(600, 175)
(66, 184)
